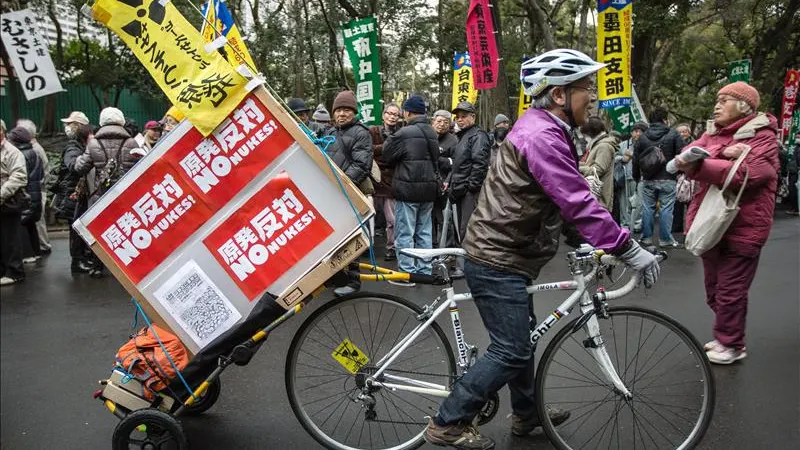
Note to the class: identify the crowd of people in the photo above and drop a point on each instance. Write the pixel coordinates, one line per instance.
(92, 160)
(436, 178)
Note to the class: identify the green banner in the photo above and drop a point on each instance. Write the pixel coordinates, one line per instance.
(623, 117)
(794, 131)
(739, 71)
(361, 43)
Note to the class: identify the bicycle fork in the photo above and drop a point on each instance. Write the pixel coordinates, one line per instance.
(596, 347)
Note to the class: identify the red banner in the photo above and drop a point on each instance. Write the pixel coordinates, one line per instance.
(219, 166)
(180, 191)
(482, 45)
(149, 219)
(268, 235)
(790, 87)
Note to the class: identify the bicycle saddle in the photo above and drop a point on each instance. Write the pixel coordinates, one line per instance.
(430, 253)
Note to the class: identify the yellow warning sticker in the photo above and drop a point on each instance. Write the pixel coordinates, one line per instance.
(350, 356)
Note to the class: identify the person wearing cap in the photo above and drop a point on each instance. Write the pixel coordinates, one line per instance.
(658, 185)
(301, 111)
(383, 189)
(109, 153)
(13, 178)
(41, 223)
(533, 188)
(413, 153)
(730, 266)
(470, 163)
(441, 123)
(171, 119)
(351, 150)
(152, 133)
(321, 117)
(21, 138)
(70, 201)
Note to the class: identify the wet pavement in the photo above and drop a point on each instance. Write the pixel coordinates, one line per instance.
(59, 334)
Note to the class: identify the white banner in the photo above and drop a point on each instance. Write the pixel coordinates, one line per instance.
(27, 49)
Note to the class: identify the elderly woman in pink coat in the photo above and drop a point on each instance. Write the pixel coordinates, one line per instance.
(731, 265)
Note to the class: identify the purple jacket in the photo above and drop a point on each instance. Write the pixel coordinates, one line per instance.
(530, 190)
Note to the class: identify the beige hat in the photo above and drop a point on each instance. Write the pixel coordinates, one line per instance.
(77, 117)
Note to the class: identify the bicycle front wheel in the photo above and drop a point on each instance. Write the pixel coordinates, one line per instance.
(658, 360)
(339, 346)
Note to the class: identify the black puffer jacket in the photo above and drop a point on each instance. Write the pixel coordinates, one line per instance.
(35, 167)
(413, 151)
(352, 150)
(670, 142)
(470, 162)
(68, 178)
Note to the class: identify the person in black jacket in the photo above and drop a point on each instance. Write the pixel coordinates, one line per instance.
(352, 152)
(21, 138)
(470, 164)
(413, 152)
(658, 185)
(70, 202)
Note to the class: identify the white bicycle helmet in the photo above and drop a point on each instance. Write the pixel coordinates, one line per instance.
(558, 67)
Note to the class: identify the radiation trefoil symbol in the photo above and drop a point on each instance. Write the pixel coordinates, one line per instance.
(155, 12)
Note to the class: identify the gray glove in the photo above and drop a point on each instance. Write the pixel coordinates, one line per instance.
(642, 261)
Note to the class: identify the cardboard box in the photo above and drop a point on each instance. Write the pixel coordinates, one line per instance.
(201, 227)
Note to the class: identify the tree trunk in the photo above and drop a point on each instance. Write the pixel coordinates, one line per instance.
(443, 58)
(499, 100)
(312, 56)
(583, 11)
(11, 85)
(539, 23)
(297, 63)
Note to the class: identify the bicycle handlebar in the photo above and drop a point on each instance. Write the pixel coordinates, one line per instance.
(630, 285)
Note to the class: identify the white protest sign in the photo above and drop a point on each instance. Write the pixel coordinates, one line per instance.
(29, 55)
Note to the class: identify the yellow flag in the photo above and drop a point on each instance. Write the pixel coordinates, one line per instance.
(217, 13)
(614, 49)
(203, 86)
(463, 89)
(525, 102)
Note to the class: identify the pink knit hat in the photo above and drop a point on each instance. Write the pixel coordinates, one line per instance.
(742, 91)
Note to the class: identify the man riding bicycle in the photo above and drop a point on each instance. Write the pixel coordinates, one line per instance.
(530, 191)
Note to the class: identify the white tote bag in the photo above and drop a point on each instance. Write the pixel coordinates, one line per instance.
(716, 213)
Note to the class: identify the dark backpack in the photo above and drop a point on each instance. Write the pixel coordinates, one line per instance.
(651, 162)
(111, 171)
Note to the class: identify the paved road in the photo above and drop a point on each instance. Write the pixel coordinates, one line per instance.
(60, 333)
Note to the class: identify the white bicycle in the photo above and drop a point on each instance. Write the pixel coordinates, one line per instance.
(364, 371)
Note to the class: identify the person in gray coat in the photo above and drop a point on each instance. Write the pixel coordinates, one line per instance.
(109, 154)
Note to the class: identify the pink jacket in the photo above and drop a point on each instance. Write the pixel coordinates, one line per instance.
(754, 221)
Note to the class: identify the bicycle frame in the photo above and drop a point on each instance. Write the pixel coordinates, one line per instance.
(592, 327)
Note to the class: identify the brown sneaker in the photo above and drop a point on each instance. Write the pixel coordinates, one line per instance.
(521, 427)
(460, 436)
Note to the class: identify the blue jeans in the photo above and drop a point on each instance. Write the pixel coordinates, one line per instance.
(413, 229)
(662, 191)
(507, 313)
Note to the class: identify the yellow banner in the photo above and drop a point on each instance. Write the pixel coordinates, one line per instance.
(525, 102)
(203, 86)
(236, 52)
(463, 90)
(614, 49)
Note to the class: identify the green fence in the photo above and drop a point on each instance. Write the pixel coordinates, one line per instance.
(79, 98)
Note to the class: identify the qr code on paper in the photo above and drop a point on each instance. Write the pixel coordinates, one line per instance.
(207, 313)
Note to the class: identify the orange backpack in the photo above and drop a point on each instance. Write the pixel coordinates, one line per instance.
(144, 358)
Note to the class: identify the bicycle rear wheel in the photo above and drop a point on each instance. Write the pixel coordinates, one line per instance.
(659, 361)
(337, 347)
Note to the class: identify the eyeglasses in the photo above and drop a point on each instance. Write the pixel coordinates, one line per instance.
(592, 90)
(723, 100)
(392, 114)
